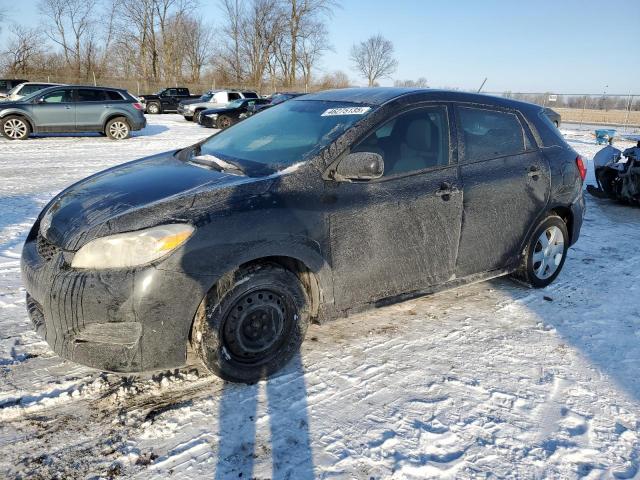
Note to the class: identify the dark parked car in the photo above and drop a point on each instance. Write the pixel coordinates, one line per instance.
(275, 99)
(110, 111)
(7, 84)
(315, 208)
(554, 116)
(232, 112)
(166, 100)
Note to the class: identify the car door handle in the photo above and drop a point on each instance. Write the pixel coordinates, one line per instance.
(67, 107)
(107, 106)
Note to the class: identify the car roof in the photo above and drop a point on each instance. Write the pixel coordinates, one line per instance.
(381, 95)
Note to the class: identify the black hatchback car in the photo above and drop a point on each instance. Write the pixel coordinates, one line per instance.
(233, 112)
(318, 207)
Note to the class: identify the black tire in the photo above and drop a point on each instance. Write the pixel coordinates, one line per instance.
(534, 271)
(223, 122)
(15, 127)
(188, 119)
(555, 122)
(118, 128)
(196, 116)
(154, 108)
(253, 323)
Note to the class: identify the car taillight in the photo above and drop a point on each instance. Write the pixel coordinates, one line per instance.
(581, 168)
(137, 106)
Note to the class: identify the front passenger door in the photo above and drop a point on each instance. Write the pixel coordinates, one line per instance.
(506, 181)
(398, 234)
(55, 111)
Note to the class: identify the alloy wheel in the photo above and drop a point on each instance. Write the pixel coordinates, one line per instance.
(15, 128)
(119, 130)
(548, 252)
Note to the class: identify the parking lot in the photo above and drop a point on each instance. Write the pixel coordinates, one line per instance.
(487, 379)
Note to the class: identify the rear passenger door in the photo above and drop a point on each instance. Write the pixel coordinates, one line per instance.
(399, 233)
(506, 183)
(91, 109)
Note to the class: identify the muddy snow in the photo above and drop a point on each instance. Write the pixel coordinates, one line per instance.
(489, 379)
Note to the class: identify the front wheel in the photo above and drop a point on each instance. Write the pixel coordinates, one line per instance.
(196, 116)
(252, 323)
(118, 129)
(545, 254)
(15, 128)
(224, 122)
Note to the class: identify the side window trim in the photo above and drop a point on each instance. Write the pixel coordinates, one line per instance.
(461, 146)
(453, 148)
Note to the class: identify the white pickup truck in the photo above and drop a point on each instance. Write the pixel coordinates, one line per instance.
(191, 109)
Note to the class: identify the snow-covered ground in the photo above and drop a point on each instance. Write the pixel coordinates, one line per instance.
(487, 381)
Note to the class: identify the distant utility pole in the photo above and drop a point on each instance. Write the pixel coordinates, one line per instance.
(483, 82)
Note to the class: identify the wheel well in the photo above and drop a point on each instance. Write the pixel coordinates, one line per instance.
(24, 117)
(306, 276)
(115, 115)
(566, 215)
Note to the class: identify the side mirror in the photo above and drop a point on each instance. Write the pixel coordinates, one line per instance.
(360, 166)
(40, 100)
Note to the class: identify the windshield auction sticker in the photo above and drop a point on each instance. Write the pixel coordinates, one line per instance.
(345, 111)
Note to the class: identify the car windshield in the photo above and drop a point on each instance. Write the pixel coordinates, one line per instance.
(206, 97)
(235, 103)
(285, 134)
(14, 89)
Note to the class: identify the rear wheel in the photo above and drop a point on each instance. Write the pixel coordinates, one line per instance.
(153, 108)
(253, 323)
(118, 129)
(545, 254)
(15, 128)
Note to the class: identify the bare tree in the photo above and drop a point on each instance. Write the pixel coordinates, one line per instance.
(234, 12)
(301, 14)
(373, 58)
(70, 24)
(24, 50)
(337, 79)
(313, 43)
(198, 37)
(419, 83)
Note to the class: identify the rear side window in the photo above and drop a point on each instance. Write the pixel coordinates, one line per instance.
(250, 94)
(233, 96)
(183, 92)
(111, 95)
(548, 132)
(411, 142)
(90, 95)
(490, 134)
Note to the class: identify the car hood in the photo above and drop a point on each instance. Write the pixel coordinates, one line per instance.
(136, 195)
(211, 111)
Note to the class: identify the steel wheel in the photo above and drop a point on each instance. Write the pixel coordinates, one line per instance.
(254, 328)
(118, 130)
(548, 252)
(15, 128)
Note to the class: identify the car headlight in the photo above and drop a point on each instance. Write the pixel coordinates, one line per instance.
(132, 248)
(213, 116)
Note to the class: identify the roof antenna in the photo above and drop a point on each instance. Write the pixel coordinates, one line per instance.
(483, 82)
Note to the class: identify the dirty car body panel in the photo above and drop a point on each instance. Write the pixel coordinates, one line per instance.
(429, 222)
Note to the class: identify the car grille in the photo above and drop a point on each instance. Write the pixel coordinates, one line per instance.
(46, 249)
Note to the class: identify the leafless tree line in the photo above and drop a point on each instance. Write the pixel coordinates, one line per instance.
(252, 42)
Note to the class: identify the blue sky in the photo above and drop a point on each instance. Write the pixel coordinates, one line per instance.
(567, 46)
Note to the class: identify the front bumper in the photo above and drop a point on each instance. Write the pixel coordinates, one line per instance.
(114, 320)
(207, 121)
(184, 111)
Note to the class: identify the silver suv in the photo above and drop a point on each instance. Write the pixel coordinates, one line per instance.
(110, 111)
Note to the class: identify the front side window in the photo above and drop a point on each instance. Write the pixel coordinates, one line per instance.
(90, 95)
(59, 96)
(490, 134)
(250, 94)
(172, 92)
(233, 96)
(284, 135)
(413, 141)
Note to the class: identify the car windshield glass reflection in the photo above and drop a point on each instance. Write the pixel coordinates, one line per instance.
(285, 134)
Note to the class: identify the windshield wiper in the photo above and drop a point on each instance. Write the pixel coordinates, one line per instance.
(217, 163)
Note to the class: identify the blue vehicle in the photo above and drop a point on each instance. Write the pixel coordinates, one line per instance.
(604, 135)
(109, 111)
